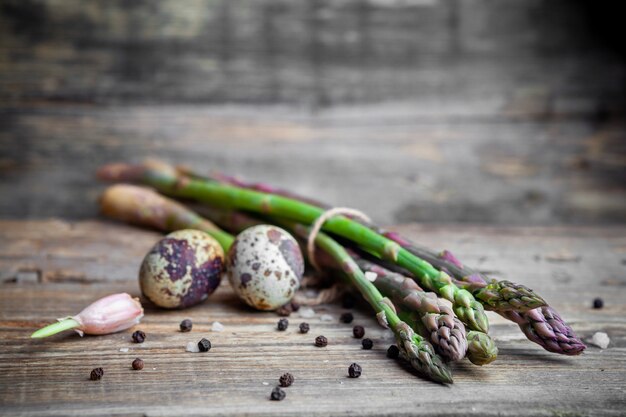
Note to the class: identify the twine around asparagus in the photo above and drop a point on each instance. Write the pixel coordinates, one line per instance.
(316, 227)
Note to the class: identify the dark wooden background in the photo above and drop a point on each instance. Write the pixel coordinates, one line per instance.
(417, 110)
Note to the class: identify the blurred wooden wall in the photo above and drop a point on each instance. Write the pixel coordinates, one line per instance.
(418, 110)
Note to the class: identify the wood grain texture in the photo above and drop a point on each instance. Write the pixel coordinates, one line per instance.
(399, 163)
(508, 112)
(533, 54)
(568, 265)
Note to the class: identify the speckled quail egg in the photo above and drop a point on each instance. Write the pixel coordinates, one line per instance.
(265, 266)
(182, 269)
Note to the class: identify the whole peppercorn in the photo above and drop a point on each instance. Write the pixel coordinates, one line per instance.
(138, 364)
(295, 306)
(367, 344)
(346, 318)
(278, 394)
(321, 341)
(186, 325)
(96, 374)
(286, 380)
(284, 311)
(304, 327)
(393, 352)
(283, 324)
(355, 370)
(598, 303)
(358, 331)
(139, 336)
(204, 345)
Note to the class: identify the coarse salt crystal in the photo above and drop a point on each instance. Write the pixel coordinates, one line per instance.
(601, 340)
(265, 383)
(192, 347)
(217, 326)
(124, 350)
(306, 312)
(371, 276)
(326, 317)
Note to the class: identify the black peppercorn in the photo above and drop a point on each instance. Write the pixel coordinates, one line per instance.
(286, 380)
(139, 336)
(96, 374)
(346, 318)
(358, 331)
(355, 370)
(304, 327)
(321, 341)
(283, 324)
(186, 325)
(598, 303)
(284, 311)
(138, 364)
(204, 345)
(295, 306)
(393, 352)
(367, 343)
(278, 394)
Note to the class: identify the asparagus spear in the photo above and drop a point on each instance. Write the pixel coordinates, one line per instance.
(481, 349)
(167, 180)
(539, 322)
(444, 330)
(493, 294)
(545, 327)
(413, 348)
(145, 207)
(432, 319)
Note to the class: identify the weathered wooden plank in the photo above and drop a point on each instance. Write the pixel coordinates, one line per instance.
(398, 163)
(312, 53)
(51, 377)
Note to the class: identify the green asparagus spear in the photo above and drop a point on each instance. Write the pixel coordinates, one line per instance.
(413, 348)
(493, 294)
(432, 319)
(481, 349)
(169, 181)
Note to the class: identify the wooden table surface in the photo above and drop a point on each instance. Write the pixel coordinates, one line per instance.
(53, 268)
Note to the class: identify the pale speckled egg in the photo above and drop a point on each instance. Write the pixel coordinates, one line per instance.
(182, 269)
(265, 266)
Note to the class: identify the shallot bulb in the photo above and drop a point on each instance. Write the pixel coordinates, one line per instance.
(110, 314)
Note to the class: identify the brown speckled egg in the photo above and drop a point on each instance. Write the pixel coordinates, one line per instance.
(265, 266)
(182, 269)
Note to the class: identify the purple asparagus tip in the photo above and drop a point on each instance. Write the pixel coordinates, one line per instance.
(475, 280)
(397, 238)
(447, 256)
(545, 327)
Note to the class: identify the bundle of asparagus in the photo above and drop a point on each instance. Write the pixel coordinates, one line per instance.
(427, 331)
